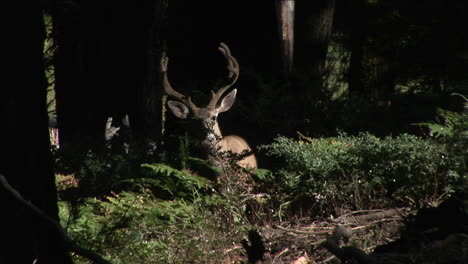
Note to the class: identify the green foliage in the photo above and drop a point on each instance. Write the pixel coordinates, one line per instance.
(171, 216)
(99, 175)
(179, 184)
(139, 228)
(264, 175)
(183, 151)
(49, 49)
(452, 131)
(186, 158)
(449, 124)
(359, 172)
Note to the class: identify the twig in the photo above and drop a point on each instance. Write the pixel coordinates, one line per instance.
(371, 216)
(367, 225)
(317, 243)
(279, 254)
(235, 247)
(330, 258)
(68, 242)
(357, 212)
(304, 232)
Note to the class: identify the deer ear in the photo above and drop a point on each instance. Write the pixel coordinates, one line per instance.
(227, 101)
(178, 109)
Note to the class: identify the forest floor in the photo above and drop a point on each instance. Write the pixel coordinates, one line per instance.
(430, 235)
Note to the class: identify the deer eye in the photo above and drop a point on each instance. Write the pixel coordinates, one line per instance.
(213, 118)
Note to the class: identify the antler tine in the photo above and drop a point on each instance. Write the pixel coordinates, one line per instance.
(168, 88)
(233, 68)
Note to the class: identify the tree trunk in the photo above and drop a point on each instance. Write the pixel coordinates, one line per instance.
(357, 20)
(286, 10)
(147, 123)
(74, 99)
(106, 63)
(25, 158)
(314, 21)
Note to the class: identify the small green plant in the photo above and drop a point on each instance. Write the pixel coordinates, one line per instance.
(177, 183)
(98, 175)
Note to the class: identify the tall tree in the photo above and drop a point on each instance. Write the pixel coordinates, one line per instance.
(74, 97)
(25, 158)
(357, 21)
(146, 112)
(313, 27)
(106, 58)
(285, 16)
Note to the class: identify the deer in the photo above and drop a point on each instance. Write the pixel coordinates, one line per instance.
(212, 140)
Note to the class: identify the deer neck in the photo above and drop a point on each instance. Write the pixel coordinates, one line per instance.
(213, 144)
(217, 131)
(213, 138)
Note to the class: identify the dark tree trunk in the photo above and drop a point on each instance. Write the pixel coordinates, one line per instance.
(385, 83)
(106, 67)
(357, 21)
(74, 99)
(147, 124)
(25, 158)
(285, 16)
(313, 26)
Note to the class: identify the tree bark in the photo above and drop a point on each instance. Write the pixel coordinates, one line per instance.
(105, 67)
(74, 99)
(285, 10)
(357, 20)
(25, 157)
(147, 123)
(314, 23)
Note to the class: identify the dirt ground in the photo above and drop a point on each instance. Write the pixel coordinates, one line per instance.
(430, 235)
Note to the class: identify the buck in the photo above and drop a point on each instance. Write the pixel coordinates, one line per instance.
(212, 140)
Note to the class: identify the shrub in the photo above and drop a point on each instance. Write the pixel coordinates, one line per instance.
(359, 172)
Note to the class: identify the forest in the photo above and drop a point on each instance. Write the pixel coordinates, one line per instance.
(274, 131)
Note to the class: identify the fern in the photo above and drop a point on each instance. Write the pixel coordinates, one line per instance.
(176, 182)
(447, 125)
(137, 227)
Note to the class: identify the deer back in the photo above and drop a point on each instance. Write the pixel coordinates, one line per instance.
(238, 145)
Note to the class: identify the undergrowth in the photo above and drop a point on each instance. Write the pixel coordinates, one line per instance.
(190, 222)
(162, 214)
(139, 228)
(328, 175)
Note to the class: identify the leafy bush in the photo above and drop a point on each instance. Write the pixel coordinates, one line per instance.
(359, 172)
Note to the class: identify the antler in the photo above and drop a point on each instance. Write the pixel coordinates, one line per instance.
(168, 88)
(233, 68)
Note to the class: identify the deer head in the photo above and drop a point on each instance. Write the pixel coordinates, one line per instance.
(212, 138)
